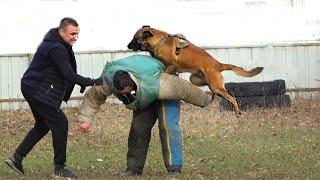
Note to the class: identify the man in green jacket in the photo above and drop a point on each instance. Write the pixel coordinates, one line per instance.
(140, 83)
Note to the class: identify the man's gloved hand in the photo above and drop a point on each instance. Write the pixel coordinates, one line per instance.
(85, 127)
(98, 81)
(83, 88)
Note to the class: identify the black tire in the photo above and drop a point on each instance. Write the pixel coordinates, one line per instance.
(246, 103)
(265, 88)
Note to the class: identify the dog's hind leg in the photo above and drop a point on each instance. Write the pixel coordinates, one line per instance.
(199, 80)
(216, 84)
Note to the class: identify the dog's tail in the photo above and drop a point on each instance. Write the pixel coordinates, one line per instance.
(240, 71)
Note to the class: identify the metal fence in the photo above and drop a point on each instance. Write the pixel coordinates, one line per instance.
(297, 63)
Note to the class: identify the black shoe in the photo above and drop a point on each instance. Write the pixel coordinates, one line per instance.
(15, 165)
(64, 173)
(173, 173)
(129, 172)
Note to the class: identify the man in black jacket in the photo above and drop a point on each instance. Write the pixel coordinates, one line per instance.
(47, 82)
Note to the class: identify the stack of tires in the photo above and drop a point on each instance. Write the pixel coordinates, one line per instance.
(267, 94)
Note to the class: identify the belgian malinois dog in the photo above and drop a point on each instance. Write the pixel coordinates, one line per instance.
(179, 55)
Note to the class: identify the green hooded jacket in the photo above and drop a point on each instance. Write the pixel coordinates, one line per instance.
(145, 71)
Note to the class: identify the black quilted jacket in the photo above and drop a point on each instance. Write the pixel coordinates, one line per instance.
(52, 74)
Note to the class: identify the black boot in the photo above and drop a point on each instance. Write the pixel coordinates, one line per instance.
(64, 173)
(173, 173)
(129, 172)
(15, 162)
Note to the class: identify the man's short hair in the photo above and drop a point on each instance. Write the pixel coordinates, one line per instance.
(67, 21)
(122, 79)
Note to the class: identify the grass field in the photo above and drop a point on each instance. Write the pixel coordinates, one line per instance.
(261, 144)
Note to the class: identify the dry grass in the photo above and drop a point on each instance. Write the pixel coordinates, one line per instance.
(262, 143)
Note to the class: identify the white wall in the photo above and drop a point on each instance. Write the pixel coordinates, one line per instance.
(110, 24)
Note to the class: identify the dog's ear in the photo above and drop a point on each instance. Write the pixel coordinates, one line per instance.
(146, 34)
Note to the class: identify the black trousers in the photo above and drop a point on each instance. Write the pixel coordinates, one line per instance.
(46, 118)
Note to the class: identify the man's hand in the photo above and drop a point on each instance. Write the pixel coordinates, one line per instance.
(83, 88)
(98, 81)
(85, 127)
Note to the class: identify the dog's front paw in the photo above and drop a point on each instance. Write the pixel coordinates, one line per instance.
(170, 69)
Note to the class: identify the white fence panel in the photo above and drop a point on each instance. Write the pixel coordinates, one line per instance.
(11, 71)
(298, 64)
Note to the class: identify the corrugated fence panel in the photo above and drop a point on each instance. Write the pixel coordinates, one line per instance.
(297, 64)
(292, 66)
(276, 63)
(313, 66)
(259, 59)
(246, 58)
(303, 73)
(11, 71)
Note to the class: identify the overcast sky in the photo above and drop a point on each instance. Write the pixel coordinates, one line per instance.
(110, 24)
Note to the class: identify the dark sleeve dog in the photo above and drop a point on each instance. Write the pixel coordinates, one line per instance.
(181, 56)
